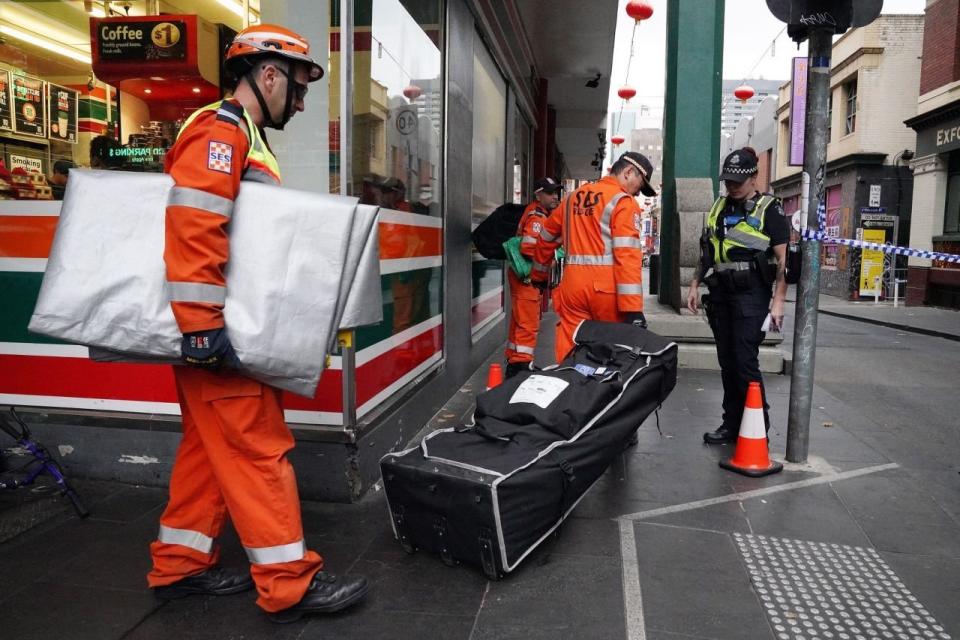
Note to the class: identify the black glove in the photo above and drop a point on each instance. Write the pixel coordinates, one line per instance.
(210, 349)
(636, 318)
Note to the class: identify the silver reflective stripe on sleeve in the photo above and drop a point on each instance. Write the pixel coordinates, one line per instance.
(605, 219)
(630, 289)
(198, 199)
(227, 114)
(747, 240)
(197, 292)
(255, 175)
(546, 236)
(627, 243)
(519, 348)
(185, 538)
(589, 261)
(536, 266)
(275, 555)
(528, 240)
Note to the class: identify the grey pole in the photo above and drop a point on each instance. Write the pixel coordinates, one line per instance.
(347, 338)
(808, 289)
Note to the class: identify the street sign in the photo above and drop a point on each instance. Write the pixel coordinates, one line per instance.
(875, 195)
(406, 122)
(798, 110)
(875, 226)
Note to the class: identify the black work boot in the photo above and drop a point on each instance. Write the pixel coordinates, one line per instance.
(218, 581)
(513, 368)
(327, 593)
(723, 435)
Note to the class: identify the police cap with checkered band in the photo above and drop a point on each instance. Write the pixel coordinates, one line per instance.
(739, 165)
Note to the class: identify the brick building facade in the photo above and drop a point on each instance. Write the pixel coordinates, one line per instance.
(874, 78)
(936, 166)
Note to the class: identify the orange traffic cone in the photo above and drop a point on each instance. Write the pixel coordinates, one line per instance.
(751, 457)
(494, 376)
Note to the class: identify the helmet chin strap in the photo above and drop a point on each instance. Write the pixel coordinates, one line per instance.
(268, 120)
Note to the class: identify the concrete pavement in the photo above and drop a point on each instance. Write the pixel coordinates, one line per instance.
(933, 321)
(862, 542)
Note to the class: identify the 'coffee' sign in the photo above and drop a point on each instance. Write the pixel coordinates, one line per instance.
(145, 40)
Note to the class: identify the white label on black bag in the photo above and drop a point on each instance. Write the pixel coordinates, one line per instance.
(539, 390)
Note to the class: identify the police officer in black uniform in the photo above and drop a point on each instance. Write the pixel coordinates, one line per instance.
(743, 256)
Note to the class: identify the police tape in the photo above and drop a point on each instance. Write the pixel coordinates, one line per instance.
(808, 234)
(821, 235)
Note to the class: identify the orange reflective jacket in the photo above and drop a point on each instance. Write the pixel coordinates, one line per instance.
(213, 152)
(599, 228)
(529, 227)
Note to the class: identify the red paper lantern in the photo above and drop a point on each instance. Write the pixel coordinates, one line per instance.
(626, 92)
(617, 140)
(639, 10)
(412, 91)
(744, 92)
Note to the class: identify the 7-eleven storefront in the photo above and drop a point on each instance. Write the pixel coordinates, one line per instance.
(38, 372)
(404, 134)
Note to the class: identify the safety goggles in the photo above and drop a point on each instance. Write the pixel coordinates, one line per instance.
(299, 89)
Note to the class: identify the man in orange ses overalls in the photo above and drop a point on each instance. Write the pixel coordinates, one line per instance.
(524, 297)
(599, 227)
(232, 458)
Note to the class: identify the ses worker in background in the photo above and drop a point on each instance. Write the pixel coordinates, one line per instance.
(744, 247)
(524, 296)
(232, 459)
(599, 228)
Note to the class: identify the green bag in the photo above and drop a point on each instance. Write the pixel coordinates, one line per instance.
(517, 261)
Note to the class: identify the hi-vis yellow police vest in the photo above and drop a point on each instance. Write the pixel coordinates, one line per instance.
(746, 234)
(260, 164)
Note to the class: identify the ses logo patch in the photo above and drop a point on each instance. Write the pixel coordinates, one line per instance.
(220, 157)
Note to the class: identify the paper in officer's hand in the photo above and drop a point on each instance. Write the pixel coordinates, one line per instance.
(769, 324)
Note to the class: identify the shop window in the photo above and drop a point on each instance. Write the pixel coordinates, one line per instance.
(397, 106)
(791, 204)
(784, 141)
(951, 217)
(521, 160)
(834, 214)
(489, 149)
(66, 103)
(850, 96)
(395, 163)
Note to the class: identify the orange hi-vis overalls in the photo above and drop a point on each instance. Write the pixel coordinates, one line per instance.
(233, 454)
(525, 298)
(599, 227)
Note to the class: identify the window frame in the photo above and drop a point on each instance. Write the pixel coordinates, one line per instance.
(951, 224)
(850, 100)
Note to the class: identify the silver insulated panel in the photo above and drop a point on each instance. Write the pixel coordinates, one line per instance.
(294, 255)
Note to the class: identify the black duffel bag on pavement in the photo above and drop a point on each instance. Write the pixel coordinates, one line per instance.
(489, 492)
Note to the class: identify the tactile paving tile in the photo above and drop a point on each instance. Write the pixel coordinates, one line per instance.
(821, 591)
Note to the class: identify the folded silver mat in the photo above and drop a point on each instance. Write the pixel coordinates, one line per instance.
(294, 257)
